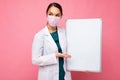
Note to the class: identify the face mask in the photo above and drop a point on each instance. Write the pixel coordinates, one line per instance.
(53, 21)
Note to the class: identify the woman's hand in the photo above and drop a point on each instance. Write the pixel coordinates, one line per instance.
(63, 55)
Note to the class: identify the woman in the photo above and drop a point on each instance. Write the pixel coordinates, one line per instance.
(49, 47)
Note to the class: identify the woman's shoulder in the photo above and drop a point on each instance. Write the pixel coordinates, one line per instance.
(61, 29)
(40, 33)
(44, 31)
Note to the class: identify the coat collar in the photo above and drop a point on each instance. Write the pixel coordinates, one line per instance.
(48, 33)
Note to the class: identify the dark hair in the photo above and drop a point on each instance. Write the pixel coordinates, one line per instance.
(55, 5)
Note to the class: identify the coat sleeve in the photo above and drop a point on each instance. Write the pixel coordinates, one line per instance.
(37, 52)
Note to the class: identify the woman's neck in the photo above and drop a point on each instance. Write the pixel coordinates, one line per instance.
(51, 29)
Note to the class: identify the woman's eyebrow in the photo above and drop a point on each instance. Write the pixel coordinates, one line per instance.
(55, 14)
(58, 14)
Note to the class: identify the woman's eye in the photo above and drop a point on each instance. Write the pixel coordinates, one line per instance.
(50, 14)
(57, 15)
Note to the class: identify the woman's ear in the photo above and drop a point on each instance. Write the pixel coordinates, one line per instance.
(60, 16)
(46, 15)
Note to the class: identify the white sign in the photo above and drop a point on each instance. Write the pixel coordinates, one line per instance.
(84, 44)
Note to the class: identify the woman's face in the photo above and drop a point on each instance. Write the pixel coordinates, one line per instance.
(53, 16)
(54, 11)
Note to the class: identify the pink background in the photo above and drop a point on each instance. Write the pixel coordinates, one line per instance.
(21, 19)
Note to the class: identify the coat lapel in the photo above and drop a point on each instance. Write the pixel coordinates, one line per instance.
(49, 38)
(61, 38)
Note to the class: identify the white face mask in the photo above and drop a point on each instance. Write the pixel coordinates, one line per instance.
(53, 20)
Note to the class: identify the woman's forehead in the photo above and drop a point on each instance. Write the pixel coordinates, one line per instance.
(54, 10)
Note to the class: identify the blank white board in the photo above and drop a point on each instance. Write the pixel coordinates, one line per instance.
(84, 38)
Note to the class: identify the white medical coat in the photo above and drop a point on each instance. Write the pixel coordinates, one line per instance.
(43, 54)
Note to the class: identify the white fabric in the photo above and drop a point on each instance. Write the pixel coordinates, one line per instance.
(43, 54)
